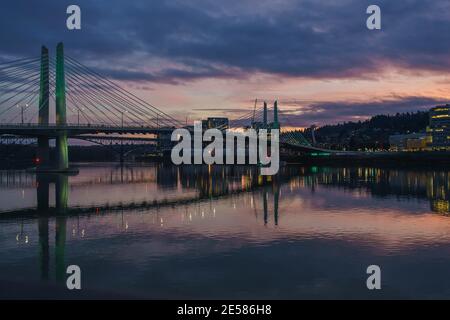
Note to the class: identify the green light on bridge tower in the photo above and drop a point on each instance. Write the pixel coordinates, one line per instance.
(60, 93)
(44, 88)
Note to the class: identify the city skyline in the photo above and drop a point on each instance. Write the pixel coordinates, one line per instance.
(317, 58)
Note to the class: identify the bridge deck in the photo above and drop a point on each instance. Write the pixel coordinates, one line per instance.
(51, 130)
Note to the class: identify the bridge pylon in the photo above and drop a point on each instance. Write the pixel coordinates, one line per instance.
(62, 149)
(265, 115)
(276, 123)
(43, 151)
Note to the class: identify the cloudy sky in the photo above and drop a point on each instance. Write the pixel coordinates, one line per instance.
(194, 58)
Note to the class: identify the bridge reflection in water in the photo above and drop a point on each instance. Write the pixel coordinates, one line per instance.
(180, 187)
(43, 182)
(210, 183)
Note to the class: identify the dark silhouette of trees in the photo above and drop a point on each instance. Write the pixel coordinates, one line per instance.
(372, 133)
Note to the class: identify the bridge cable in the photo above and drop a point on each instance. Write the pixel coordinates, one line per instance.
(129, 94)
(123, 99)
(36, 81)
(12, 62)
(87, 97)
(100, 96)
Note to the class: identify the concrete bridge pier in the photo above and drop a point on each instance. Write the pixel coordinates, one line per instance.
(61, 193)
(62, 153)
(164, 143)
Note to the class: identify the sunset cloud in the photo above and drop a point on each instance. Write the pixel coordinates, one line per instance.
(182, 43)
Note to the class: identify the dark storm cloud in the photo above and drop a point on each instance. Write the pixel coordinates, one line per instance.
(168, 75)
(203, 39)
(306, 114)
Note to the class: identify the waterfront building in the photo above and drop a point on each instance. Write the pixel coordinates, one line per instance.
(408, 142)
(439, 128)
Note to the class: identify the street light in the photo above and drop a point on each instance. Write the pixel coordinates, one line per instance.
(26, 107)
(21, 110)
(82, 109)
(122, 112)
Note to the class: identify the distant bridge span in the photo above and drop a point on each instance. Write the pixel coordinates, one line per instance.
(53, 131)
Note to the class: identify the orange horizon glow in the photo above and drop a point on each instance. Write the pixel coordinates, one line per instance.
(234, 97)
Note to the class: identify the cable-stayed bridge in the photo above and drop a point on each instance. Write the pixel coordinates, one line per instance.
(42, 99)
(84, 103)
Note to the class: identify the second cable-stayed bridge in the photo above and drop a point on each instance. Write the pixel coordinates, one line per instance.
(45, 99)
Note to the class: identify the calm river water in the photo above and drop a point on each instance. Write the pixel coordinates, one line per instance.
(159, 231)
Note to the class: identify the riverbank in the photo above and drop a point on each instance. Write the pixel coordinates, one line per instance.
(402, 158)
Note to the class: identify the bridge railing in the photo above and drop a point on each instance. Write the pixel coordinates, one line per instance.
(75, 126)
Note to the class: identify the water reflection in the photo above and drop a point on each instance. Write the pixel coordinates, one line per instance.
(150, 186)
(208, 182)
(198, 182)
(44, 247)
(43, 182)
(164, 226)
(419, 184)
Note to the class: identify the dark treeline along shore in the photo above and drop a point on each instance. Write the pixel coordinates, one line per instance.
(372, 133)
